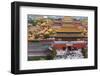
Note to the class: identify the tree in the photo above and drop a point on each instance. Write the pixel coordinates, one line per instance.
(42, 28)
(34, 22)
(84, 52)
(53, 53)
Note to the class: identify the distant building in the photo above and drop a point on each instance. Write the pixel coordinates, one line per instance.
(39, 17)
(57, 23)
(67, 19)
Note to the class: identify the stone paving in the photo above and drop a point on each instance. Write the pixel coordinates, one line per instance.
(76, 54)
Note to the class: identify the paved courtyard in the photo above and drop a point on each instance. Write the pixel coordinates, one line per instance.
(76, 54)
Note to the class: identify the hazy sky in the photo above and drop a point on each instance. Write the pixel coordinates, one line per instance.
(54, 17)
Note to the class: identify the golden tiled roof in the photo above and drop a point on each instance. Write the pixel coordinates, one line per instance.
(68, 35)
(68, 29)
